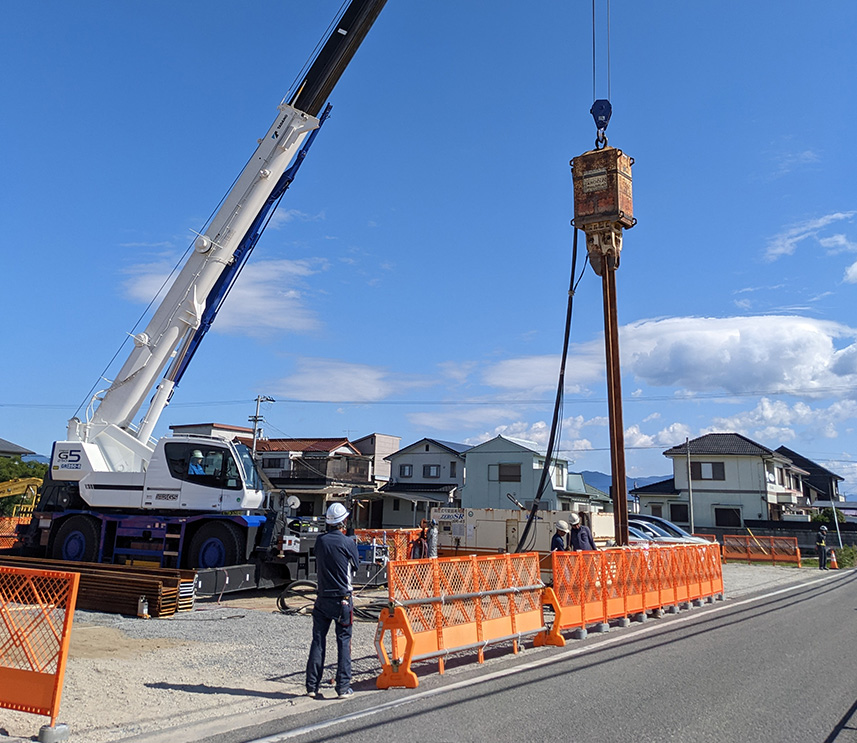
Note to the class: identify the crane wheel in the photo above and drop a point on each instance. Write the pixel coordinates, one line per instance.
(76, 539)
(217, 544)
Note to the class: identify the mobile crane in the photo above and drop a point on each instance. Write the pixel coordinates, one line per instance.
(113, 493)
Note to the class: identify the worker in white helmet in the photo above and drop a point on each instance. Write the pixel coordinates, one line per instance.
(195, 467)
(336, 556)
(580, 537)
(560, 536)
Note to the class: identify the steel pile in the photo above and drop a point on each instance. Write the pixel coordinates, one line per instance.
(118, 589)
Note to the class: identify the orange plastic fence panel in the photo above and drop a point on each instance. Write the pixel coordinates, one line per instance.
(8, 524)
(36, 613)
(455, 603)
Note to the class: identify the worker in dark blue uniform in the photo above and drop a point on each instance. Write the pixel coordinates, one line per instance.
(580, 538)
(336, 558)
(821, 547)
(559, 536)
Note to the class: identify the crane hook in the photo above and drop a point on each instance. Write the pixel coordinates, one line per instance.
(601, 111)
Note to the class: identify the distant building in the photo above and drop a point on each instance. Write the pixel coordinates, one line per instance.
(8, 449)
(379, 446)
(824, 482)
(732, 479)
(423, 475)
(505, 470)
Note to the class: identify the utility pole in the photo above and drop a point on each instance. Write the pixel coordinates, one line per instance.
(254, 419)
(603, 207)
(689, 485)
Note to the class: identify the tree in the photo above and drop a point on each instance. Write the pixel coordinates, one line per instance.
(826, 516)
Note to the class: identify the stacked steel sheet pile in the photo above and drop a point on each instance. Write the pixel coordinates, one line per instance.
(132, 590)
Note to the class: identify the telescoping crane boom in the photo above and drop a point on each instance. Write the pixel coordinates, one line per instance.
(108, 467)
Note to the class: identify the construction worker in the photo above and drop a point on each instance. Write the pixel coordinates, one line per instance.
(560, 536)
(336, 558)
(821, 547)
(580, 537)
(195, 467)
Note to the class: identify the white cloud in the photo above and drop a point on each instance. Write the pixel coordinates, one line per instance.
(787, 241)
(331, 380)
(779, 421)
(836, 244)
(266, 296)
(284, 216)
(787, 354)
(851, 274)
(538, 375)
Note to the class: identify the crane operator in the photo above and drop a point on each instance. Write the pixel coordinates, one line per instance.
(336, 557)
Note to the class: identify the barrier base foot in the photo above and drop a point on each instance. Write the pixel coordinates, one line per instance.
(686, 606)
(579, 634)
(601, 627)
(623, 622)
(641, 617)
(55, 734)
(672, 609)
(698, 602)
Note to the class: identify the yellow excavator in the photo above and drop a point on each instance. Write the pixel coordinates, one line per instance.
(26, 486)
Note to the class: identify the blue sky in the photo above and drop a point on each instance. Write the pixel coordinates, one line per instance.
(414, 282)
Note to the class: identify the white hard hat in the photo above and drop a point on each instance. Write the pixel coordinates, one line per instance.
(823, 528)
(336, 514)
(197, 454)
(562, 526)
(574, 519)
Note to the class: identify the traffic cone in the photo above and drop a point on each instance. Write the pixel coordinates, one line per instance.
(833, 564)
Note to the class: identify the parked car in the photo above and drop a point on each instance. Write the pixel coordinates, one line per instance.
(655, 534)
(669, 527)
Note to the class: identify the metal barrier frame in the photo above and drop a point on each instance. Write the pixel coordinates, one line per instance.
(33, 643)
(753, 549)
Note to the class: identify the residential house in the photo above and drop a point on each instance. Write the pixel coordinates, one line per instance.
(823, 484)
(378, 446)
(423, 475)
(318, 471)
(732, 479)
(8, 449)
(504, 472)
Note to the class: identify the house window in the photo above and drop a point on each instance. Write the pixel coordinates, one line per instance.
(510, 472)
(406, 470)
(275, 464)
(453, 469)
(724, 516)
(431, 470)
(657, 510)
(396, 503)
(707, 471)
(679, 513)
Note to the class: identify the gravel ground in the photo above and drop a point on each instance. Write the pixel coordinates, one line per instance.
(130, 677)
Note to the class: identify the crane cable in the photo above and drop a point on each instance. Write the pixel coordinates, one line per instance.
(560, 390)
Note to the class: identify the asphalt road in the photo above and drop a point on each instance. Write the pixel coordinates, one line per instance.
(773, 667)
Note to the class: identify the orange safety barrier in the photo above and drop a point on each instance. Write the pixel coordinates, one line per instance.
(7, 530)
(396, 539)
(761, 549)
(594, 587)
(36, 612)
(449, 604)
(709, 537)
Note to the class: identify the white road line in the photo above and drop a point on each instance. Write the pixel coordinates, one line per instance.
(554, 658)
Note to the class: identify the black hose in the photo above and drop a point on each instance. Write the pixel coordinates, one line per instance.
(290, 592)
(557, 405)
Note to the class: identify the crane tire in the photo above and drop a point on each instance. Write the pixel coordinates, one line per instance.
(217, 544)
(76, 539)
